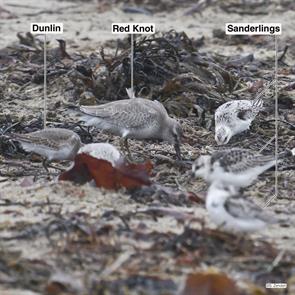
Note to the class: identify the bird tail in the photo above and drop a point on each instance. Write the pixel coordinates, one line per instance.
(20, 137)
(258, 101)
(286, 154)
(130, 92)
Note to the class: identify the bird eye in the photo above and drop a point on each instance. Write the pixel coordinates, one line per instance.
(197, 167)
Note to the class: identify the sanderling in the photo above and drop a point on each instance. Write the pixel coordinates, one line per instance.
(233, 212)
(236, 116)
(136, 118)
(50, 143)
(104, 151)
(236, 166)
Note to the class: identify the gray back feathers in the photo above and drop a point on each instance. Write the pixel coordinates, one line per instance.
(238, 160)
(243, 208)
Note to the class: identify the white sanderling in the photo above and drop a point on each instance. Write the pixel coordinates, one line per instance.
(53, 144)
(136, 118)
(104, 151)
(233, 212)
(236, 116)
(236, 166)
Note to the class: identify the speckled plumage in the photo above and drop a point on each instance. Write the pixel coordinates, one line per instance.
(238, 167)
(136, 118)
(233, 212)
(236, 116)
(50, 143)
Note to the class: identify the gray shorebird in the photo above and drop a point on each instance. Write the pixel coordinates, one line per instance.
(232, 212)
(236, 166)
(236, 116)
(104, 151)
(136, 118)
(53, 144)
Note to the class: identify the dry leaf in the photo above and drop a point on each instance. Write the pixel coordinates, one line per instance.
(210, 284)
(123, 175)
(61, 283)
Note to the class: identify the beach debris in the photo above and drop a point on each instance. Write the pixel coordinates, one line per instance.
(104, 174)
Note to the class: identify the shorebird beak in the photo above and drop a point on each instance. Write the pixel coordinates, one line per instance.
(191, 175)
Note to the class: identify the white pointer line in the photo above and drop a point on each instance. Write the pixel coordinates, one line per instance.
(45, 83)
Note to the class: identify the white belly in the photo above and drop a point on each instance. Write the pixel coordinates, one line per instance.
(241, 126)
(242, 179)
(228, 223)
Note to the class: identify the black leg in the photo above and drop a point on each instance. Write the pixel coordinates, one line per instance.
(125, 149)
(177, 150)
(45, 165)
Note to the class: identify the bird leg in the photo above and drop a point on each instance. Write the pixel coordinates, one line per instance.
(45, 165)
(220, 226)
(125, 148)
(177, 150)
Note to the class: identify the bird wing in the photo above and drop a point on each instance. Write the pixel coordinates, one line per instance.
(249, 112)
(34, 139)
(54, 138)
(239, 160)
(256, 106)
(237, 109)
(129, 113)
(243, 208)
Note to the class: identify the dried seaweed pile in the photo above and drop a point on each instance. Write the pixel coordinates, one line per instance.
(170, 67)
(145, 241)
(167, 67)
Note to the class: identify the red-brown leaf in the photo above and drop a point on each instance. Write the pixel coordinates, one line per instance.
(210, 284)
(105, 175)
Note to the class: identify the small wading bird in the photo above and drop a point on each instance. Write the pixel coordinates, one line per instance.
(136, 118)
(104, 151)
(236, 116)
(53, 144)
(233, 212)
(236, 166)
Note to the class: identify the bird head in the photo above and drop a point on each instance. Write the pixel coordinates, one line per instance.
(222, 135)
(201, 167)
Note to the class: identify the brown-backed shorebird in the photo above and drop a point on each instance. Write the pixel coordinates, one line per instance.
(53, 144)
(136, 118)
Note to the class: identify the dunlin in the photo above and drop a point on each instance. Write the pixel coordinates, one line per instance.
(50, 143)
